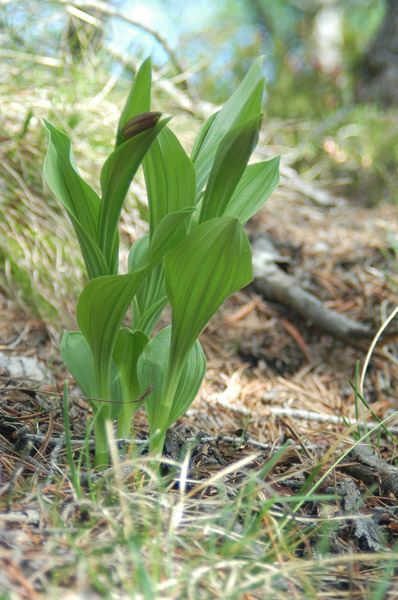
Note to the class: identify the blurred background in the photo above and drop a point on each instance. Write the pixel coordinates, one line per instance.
(331, 68)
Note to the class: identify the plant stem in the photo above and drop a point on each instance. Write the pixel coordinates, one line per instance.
(158, 433)
(124, 422)
(101, 460)
(156, 442)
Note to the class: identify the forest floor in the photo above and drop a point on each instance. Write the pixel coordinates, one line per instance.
(276, 402)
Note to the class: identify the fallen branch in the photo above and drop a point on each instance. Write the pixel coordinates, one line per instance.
(275, 285)
(371, 469)
(297, 413)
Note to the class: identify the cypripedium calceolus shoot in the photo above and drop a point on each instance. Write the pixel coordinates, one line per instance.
(195, 255)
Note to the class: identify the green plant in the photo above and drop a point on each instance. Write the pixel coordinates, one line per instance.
(195, 255)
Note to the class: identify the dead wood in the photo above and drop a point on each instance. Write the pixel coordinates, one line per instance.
(371, 469)
(351, 499)
(275, 285)
(365, 528)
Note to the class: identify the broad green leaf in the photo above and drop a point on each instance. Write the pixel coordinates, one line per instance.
(101, 308)
(93, 258)
(210, 264)
(138, 100)
(230, 161)
(104, 301)
(200, 138)
(151, 294)
(169, 178)
(152, 370)
(138, 259)
(138, 254)
(78, 359)
(129, 345)
(78, 198)
(253, 105)
(128, 348)
(255, 187)
(170, 231)
(232, 109)
(135, 315)
(150, 317)
(150, 298)
(244, 103)
(116, 176)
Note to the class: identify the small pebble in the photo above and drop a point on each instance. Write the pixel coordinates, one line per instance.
(321, 247)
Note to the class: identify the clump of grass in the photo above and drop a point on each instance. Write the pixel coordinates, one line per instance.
(39, 260)
(136, 534)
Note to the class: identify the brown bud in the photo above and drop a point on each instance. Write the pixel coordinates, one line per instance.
(139, 123)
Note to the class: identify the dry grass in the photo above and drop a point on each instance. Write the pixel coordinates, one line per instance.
(235, 532)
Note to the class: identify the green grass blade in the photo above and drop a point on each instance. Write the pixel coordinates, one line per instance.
(69, 453)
